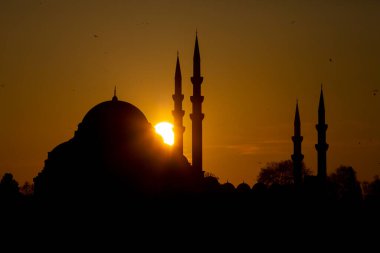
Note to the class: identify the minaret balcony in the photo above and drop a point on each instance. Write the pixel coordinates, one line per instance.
(197, 116)
(197, 80)
(197, 99)
(321, 127)
(178, 113)
(178, 97)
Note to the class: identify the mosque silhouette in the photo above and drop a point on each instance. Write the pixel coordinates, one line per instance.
(116, 152)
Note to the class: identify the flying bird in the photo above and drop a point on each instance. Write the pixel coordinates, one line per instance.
(143, 23)
(330, 60)
(375, 91)
(96, 36)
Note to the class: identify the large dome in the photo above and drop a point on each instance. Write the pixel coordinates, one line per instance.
(111, 119)
(113, 109)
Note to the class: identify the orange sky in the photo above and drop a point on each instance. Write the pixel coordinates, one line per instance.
(60, 58)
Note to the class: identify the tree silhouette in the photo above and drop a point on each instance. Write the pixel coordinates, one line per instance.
(279, 173)
(211, 183)
(372, 192)
(344, 185)
(9, 189)
(27, 189)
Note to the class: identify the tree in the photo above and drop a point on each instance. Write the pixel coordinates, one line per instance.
(372, 191)
(8, 187)
(27, 189)
(211, 183)
(345, 186)
(279, 173)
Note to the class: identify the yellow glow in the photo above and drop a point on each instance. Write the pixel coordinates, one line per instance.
(165, 129)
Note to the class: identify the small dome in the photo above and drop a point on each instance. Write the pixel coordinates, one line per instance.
(243, 187)
(227, 187)
(259, 187)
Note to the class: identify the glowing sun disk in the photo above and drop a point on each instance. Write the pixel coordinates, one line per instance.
(165, 129)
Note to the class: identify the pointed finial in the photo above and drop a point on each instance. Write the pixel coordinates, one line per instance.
(321, 96)
(297, 122)
(177, 54)
(297, 109)
(114, 94)
(196, 31)
(321, 89)
(178, 76)
(321, 107)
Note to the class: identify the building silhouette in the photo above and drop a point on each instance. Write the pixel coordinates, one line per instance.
(322, 146)
(297, 156)
(115, 146)
(313, 185)
(197, 115)
(114, 152)
(178, 112)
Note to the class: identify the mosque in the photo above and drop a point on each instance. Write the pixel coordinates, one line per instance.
(297, 157)
(115, 150)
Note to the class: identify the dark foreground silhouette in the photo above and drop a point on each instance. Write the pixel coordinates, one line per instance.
(115, 171)
(217, 215)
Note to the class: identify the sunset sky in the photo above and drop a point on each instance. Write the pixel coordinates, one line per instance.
(58, 59)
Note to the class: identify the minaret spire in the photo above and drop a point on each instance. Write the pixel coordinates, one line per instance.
(322, 146)
(114, 98)
(196, 59)
(321, 108)
(197, 115)
(178, 77)
(178, 112)
(297, 121)
(297, 156)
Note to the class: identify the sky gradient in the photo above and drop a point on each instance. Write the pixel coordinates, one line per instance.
(58, 59)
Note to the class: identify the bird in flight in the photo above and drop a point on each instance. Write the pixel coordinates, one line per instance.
(96, 36)
(143, 23)
(375, 91)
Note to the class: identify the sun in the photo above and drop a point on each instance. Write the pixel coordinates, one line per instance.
(165, 129)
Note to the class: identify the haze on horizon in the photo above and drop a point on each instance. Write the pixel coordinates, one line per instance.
(58, 59)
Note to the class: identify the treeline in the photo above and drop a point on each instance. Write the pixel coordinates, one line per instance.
(274, 183)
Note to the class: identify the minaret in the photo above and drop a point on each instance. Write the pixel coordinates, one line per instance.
(197, 115)
(297, 156)
(321, 146)
(178, 112)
